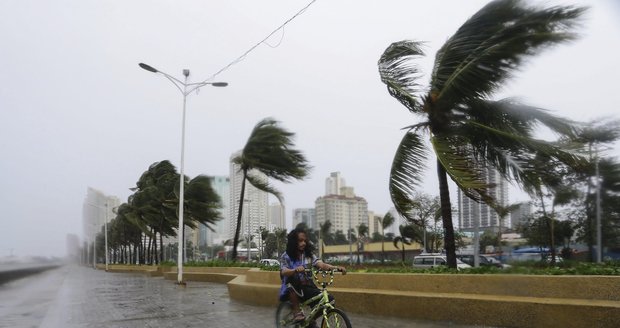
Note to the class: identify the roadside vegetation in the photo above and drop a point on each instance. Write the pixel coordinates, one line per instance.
(609, 268)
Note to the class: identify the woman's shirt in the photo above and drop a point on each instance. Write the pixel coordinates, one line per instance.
(286, 262)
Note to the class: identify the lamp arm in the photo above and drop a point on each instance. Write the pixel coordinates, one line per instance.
(174, 81)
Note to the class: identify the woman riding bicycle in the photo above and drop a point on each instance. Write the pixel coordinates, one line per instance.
(297, 285)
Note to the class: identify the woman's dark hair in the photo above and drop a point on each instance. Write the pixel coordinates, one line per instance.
(291, 243)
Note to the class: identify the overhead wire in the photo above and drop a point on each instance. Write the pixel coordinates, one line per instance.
(242, 57)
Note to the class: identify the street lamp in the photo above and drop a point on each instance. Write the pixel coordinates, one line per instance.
(105, 228)
(599, 239)
(350, 239)
(247, 218)
(187, 88)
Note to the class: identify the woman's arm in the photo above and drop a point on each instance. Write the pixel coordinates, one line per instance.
(324, 266)
(289, 272)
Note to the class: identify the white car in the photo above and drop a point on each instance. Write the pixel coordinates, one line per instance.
(270, 262)
(428, 261)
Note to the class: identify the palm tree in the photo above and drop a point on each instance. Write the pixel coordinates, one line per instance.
(502, 213)
(386, 222)
(407, 235)
(326, 237)
(469, 131)
(269, 150)
(362, 231)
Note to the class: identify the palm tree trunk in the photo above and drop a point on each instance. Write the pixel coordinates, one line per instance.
(382, 245)
(446, 216)
(239, 213)
(161, 248)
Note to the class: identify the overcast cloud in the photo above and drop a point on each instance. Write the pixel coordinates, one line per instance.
(77, 111)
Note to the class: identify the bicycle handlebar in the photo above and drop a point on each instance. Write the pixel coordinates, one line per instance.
(321, 270)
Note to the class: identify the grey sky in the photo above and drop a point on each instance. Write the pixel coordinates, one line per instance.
(77, 111)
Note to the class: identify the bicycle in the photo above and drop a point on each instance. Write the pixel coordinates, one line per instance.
(332, 317)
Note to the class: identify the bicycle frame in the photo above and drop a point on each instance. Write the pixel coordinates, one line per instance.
(323, 297)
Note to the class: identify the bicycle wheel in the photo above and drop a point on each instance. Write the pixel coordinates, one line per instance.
(284, 315)
(335, 318)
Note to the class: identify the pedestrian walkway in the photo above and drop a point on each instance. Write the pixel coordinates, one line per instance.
(72, 297)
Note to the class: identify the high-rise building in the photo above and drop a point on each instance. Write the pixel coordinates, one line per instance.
(255, 203)
(520, 215)
(96, 210)
(305, 215)
(373, 223)
(345, 210)
(221, 185)
(334, 183)
(277, 218)
(398, 221)
(470, 211)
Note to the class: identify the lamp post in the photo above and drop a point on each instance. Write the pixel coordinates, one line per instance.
(350, 241)
(599, 239)
(187, 88)
(247, 218)
(105, 233)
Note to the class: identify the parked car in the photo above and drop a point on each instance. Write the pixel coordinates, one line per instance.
(428, 261)
(270, 262)
(483, 260)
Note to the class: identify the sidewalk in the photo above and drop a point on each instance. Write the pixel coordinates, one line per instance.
(74, 297)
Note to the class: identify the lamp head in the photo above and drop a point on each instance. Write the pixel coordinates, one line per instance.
(219, 84)
(147, 67)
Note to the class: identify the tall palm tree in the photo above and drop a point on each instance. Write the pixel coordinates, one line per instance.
(269, 150)
(469, 131)
(407, 235)
(326, 236)
(386, 222)
(362, 232)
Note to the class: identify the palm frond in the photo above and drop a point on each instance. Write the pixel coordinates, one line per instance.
(464, 169)
(490, 46)
(263, 185)
(603, 130)
(523, 145)
(510, 114)
(407, 171)
(399, 72)
(269, 149)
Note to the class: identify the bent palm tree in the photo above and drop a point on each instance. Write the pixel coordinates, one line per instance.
(269, 150)
(386, 222)
(468, 131)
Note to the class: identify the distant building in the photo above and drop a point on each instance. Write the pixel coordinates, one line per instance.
(520, 215)
(255, 207)
(305, 215)
(221, 185)
(277, 217)
(97, 208)
(334, 183)
(343, 210)
(470, 211)
(373, 223)
(73, 249)
(398, 221)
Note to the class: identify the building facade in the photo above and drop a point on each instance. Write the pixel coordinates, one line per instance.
(305, 215)
(471, 212)
(277, 217)
(97, 209)
(334, 183)
(221, 185)
(255, 204)
(345, 211)
(520, 215)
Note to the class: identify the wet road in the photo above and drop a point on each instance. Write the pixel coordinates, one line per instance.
(75, 296)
